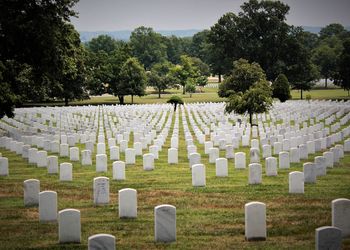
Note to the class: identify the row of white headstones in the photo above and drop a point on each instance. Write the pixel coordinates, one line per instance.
(186, 135)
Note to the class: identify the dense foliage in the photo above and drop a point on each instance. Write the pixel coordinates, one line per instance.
(281, 88)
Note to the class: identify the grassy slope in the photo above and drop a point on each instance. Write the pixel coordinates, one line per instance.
(210, 217)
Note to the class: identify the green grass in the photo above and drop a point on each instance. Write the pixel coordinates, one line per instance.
(210, 217)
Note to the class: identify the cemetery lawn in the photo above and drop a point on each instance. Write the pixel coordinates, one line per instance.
(208, 95)
(210, 217)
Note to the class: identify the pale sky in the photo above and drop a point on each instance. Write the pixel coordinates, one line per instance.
(112, 15)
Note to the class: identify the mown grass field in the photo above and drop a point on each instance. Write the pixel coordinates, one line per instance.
(210, 217)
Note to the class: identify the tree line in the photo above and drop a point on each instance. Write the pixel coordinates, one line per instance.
(43, 59)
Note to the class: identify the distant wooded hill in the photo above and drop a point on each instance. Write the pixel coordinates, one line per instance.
(86, 36)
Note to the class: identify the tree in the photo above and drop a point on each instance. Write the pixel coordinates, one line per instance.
(333, 29)
(147, 46)
(132, 79)
(259, 33)
(102, 43)
(224, 48)
(191, 87)
(257, 99)
(326, 59)
(281, 88)
(306, 78)
(71, 82)
(7, 98)
(185, 71)
(241, 78)
(160, 77)
(104, 66)
(176, 47)
(33, 47)
(175, 100)
(343, 77)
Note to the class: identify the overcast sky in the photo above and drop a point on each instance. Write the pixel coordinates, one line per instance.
(112, 15)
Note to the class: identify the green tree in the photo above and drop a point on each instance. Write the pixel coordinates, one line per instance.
(191, 87)
(71, 82)
(160, 77)
(183, 72)
(132, 79)
(259, 33)
(326, 59)
(257, 99)
(333, 29)
(7, 98)
(102, 43)
(103, 65)
(223, 48)
(343, 77)
(36, 49)
(175, 100)
(241, 78)
(281, 88)
(147, 46)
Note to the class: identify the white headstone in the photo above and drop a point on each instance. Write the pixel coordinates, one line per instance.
(221, 167)
(66, 171)
(130, 157)
(329, 159)
(165, 223)
(277, 148)
(207, 146)
(172, 156)
(32, 155)
(86, 158)
(230, 152)
(148, 162)
(69, 227)
(309, 170)
(341, 215)
(294, 155)
(47, 206)
(213, 154)
(101, 163)
(4, 166)
(271, 166)
(101, 190)
(52, 162)
(74, 154)
(127, 201)
(114, 153)
(41, 159)
(254, 155)
(101, 241)
(255, 221)
(195, 158)
(284, 161)
(118, 170)
(31, 188)
(296, 182)
(64, 150)
(101, 148)
(198, 175)
(327, 238)
(255, 173)
(240, 161)
(321, 165)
